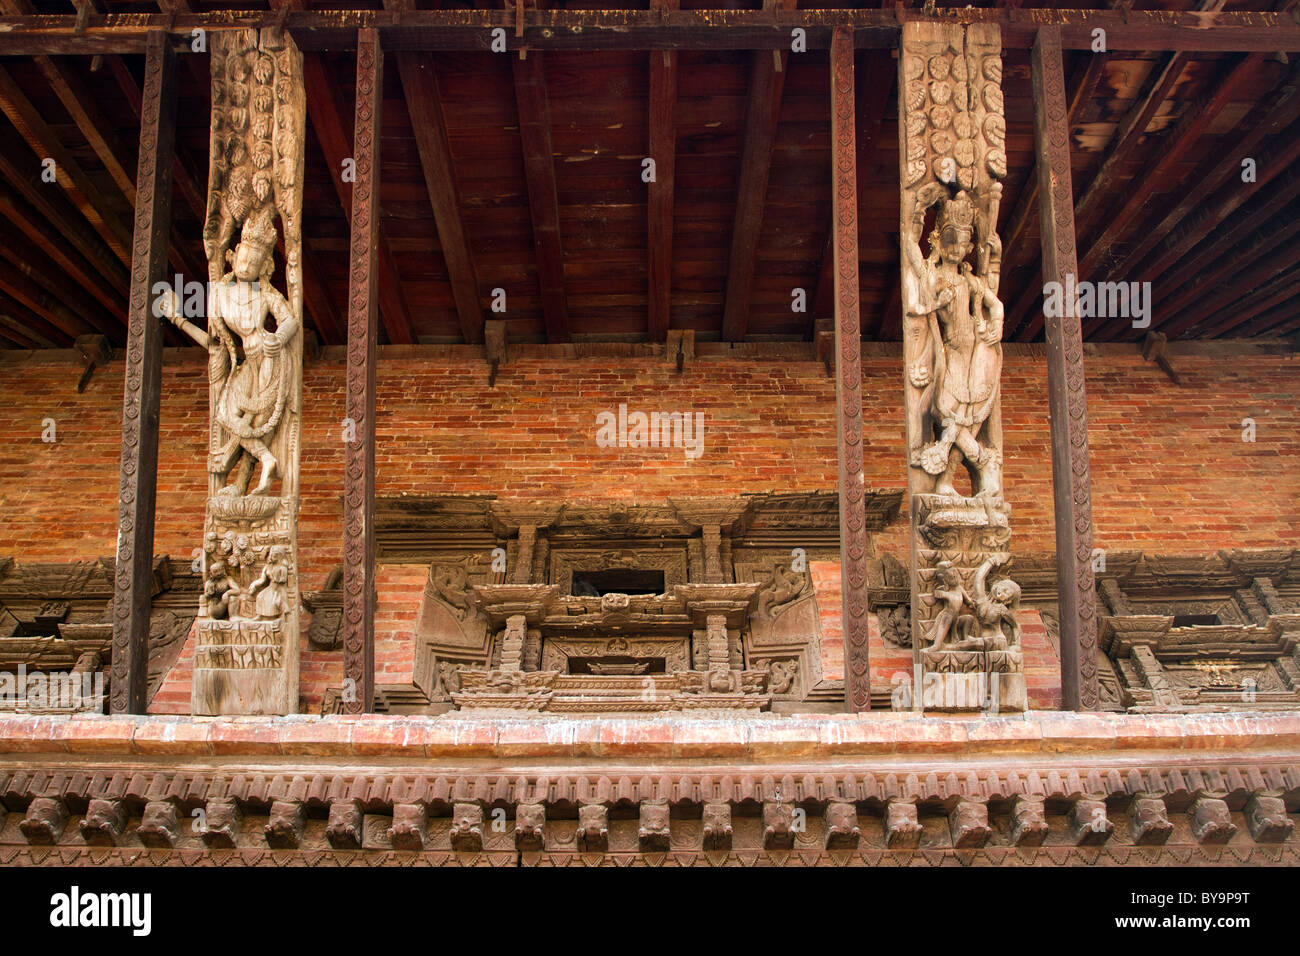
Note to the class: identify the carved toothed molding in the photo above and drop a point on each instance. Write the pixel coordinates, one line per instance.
(1053, 788)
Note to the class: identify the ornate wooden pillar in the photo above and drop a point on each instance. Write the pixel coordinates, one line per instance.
(848, 378)
(952, 159)
(133, 583)
(1071, 480)
(363, 339)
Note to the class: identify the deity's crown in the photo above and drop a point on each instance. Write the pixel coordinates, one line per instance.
(259, 231)
(958, 213)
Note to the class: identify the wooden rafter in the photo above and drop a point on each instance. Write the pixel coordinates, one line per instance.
(424, 102)
(762, 113)
(659, 201)
(45, 145)
(326, 110)
(1200, 210)
(1262, 272)
(1101, 188)
(543, 196)
(1015, 235)
(1171, 150)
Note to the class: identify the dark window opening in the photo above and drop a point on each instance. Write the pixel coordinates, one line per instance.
(617, 581)
(1195, 620)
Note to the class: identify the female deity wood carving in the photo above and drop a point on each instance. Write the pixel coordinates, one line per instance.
(247, 656)
(952, 160)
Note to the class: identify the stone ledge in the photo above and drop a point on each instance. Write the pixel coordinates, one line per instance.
(758, 739)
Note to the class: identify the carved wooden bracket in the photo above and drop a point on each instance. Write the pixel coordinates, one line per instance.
(681, 347)
(1154, 350)
(495, 347)
(95, 351)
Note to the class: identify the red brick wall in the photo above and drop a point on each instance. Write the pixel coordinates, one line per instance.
(1170, 471)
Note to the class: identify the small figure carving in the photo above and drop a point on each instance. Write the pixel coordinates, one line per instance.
(842, 831)
(593, 828)
(159, 825)
(782, 588)
(285, 825)
(653, 833)
(783, 675)
(778, 825)
(344, 829)
(220, 592)
(451, 584)
(993, 626)
(270, 589)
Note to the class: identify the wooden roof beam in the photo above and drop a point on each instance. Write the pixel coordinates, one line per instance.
(1264, 271)
(660, 195)
(762, 113)
(424, 102)
(20, 173)
(325, 110)
(1128, 134)
(543, 197)
(83, 193)
(34, 296)
(1260, 311)
(1127, 30)
(29, 324)
(1167, 154)
(1196, 214)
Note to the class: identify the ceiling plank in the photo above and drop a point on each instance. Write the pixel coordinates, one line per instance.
(424, 102)
(660, 197)
(325, 110)
(30, 293)
(1166, 154)
(543, 196)
(83, 193)
(762, 114)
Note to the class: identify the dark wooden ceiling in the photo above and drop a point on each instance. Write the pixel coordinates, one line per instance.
(1158, 145)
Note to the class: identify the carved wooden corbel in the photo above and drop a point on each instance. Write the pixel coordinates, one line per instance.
(344, 829)
(842, 832)
(717, 826)
(902, 828)
(495, 347)
(681, 347)
(1266, 817)
(104, 822)
(1149, 821)
(467, 827)
(46, 819)
(1089, 825)
(530, 827)
(95, 352)
(285, 827)
(593, 828)
(1029, 821)
(1154, 350)
(778, 825)
(1211, 821)
(159, 825)
(410, 824)
(653, 832)
(221, 821)
(969, 825)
